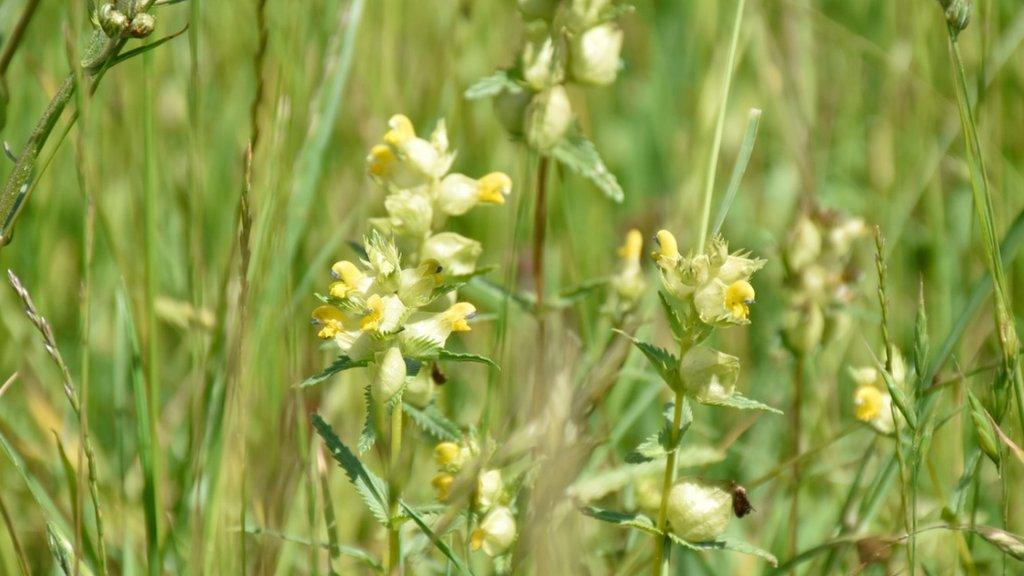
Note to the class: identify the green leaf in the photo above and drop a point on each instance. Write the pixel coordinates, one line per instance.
(674, 321)
(584, 288)
(663, 361)
(637, 521)
(433, 422)
(741, 402)
(921, 342)
(983, 428)
(370, 488)
(899, 397)
(661, 444)
(369, 434)
(491, 86)
(579, 155)
(443, 354)
(340, 365)
(727, 544)
(438, 543)
(421, 348)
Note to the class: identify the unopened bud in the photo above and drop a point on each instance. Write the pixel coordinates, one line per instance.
(548, 118)
(112, 21)
(142, 25)
(594, 55)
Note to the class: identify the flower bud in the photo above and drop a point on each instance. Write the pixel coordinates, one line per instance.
(419, 388)
(450, 457)
(548, 118)
(489, 489)
(594, 55)
(699, 510)
(442, 484)
(410, 214)
(496, 533)
(543, 62)
(804, 244)
(390, 376)
(805, 327)
(456, 254)
(708, 374)
(142, 25)
(112, 21)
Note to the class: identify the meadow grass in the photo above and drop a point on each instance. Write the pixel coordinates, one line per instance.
(177, 230)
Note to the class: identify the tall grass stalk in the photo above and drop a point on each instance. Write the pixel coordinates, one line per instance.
(72, 395)
(540, 226)
(1006, 330)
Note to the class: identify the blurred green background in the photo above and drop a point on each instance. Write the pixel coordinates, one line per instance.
(859, 114)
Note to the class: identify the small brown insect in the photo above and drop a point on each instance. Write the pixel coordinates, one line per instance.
(740, 504)
(438, 376)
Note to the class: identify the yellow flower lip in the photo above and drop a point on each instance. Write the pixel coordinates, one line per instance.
(738, 298)
(631, 249)
(381, 160)
(401, 130)
(458, 315)
(446, 454)
(493, 188)
(373, 318)
(868, 403)
(476, 540)
(668, 249)
(330, 321)
(442, 483)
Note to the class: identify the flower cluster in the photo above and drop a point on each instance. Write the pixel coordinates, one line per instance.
(383, 315)
(715, 283)
(819, 277)
(872, 402)
(497, 529)
(703, 290)
(421, 192)
(566, 41)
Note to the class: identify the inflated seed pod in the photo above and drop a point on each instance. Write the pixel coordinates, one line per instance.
(112, 21)
(142, 25)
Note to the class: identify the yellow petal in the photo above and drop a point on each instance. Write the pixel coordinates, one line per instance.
(457, 316)
(329, 320)
(373, 318)
(738, 297)
(868, 402)
(381, 161)
(633, 245)
(401, 130)
(493, 188)
(668, 250)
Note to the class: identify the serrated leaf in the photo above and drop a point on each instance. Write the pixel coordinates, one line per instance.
(420, 347)
(579, 155)
(638, 521)
(371, 489)
(741, 402)
(666, 364)
(443, 354)
(674, 321)
(369, 434)
(491, 86)
(433, 422)
(661, 444)
(438, 543)
(341, 364)
(727, 544)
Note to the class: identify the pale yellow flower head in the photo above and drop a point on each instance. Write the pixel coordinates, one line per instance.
(350, 279)
(401, 131)
(868, 403)
(634, 243)
(442, 484)
(330, 321)
(383, 314)
(458, 315)
(496, 533)
(738, 298)
(667, 252)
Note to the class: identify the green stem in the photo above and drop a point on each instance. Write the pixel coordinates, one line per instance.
(394, 492)
(716, 147)
(659, 563)
(1007, 333)
(540, 223)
